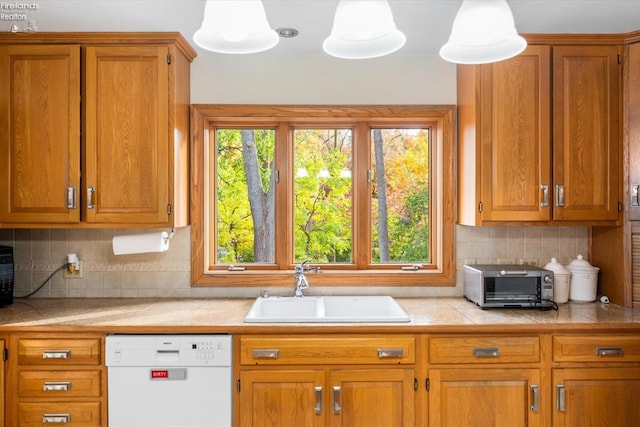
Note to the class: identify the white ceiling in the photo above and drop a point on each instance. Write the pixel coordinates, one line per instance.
(426, 23)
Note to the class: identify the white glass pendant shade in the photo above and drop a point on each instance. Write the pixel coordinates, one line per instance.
(483, 32)
(302, 172)
(235, 26)
(363, 29)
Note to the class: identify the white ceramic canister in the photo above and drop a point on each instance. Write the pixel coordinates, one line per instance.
(561, 278)
(584, 280)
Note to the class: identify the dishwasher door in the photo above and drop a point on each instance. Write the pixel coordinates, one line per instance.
(169, 380)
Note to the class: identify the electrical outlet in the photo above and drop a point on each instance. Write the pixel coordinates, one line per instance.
(71, 272)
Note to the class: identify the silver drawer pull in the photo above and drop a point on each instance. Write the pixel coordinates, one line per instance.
(56, 418)
(57, 386)
(56, 354)
(535, 391)
(486, 352)
(608, 351)
(560, 402)
(545, 196)
(336, 399)
(385, 353)
(91, 191)
(560, 196)
(318, 408)
(271, 353)
(71, 197)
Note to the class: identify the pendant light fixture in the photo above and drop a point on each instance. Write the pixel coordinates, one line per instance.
(232, 26)
(483, 32)
(363, 29)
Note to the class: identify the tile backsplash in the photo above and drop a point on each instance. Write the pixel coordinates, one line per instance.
(40, 252)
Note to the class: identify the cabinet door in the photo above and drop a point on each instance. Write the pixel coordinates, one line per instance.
(282, 398)
(484, 397)
(40, 141)
(2, 396)
(586, 109)
(596, 397)
(516, 137)
(126, 135)
(372, 398)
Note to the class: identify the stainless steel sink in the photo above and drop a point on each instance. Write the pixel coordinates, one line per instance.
(327, 309)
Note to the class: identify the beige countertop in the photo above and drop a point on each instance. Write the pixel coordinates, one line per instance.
(222, 315)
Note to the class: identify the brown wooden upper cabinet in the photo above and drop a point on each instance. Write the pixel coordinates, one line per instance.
(539, 139)
(97, 128)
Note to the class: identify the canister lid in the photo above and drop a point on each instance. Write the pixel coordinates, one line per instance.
(556, 267)
(581, 265)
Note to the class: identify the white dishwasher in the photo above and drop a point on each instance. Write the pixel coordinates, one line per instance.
(169, 380)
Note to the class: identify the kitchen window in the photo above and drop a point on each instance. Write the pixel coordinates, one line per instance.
(365, 194)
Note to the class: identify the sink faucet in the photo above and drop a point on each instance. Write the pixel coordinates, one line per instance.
(301, 280)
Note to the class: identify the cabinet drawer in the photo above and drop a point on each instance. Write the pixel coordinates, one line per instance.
(85, 414)
(80, 351)
(615, 348)
(327, 350)
(484, 349)
(59, 384)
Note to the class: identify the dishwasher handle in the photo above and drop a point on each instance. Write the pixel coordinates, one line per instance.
(164, 357)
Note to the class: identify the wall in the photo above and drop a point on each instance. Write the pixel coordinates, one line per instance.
(40, 252)
(265, 79)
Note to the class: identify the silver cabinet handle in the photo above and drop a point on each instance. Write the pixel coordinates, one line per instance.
(635, 194)
(318, 408)
(91, 191)
(608, 351)
(336, 399)
(486, 352)
(560, 404)
(56, 354)
(385, 353)
(57, 386)
(560, 196)
(71, 197)
(56, 418)
(536, 398)
(270, 353)
(545, 196)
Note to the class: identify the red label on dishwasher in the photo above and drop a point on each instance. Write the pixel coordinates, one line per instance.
(159, 374)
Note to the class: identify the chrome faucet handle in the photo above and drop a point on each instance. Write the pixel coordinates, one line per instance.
(302, 267)
(301, 280)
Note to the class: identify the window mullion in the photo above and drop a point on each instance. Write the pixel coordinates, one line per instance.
(361, 192)
(284, 196)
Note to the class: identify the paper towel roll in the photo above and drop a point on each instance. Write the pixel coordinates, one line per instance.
(141, 243)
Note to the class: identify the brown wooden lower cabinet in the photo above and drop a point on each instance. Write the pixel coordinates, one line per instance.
(484, 397)
(2, 384)
(371, 397)
(56, 379)
(336, 398)
(546, 379)
(76, 414)
(596, 397)
(282, 398)
(596, 380)
(329, 381)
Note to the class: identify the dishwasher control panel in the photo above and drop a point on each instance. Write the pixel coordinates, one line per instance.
(168, 350)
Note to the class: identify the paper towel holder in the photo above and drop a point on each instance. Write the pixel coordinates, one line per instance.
(142, 243)
(173, 232)
(165, 240)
